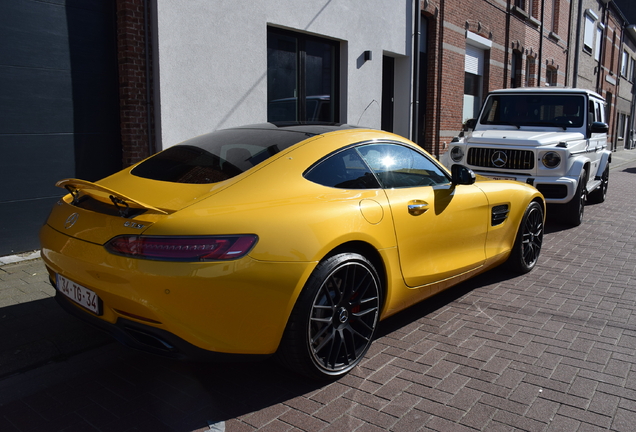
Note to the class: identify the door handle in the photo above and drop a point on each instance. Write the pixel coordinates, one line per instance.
(417, 207)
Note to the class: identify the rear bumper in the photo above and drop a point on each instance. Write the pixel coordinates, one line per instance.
(239, 307)
(150, 339)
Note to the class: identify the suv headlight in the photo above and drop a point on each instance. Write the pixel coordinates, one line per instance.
(456, 154)
(551, 160)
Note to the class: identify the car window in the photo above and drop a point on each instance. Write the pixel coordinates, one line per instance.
(535, 110)
(223, 154)
(397, 166)
(344, 170)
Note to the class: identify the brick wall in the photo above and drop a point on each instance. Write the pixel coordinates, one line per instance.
(509, 31)
(134, 103)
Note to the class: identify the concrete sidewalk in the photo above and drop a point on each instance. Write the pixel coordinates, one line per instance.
(34, 330)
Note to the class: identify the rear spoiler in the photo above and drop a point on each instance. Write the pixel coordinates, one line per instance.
(75, 186)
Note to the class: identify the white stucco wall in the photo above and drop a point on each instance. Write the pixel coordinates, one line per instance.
(210, 59)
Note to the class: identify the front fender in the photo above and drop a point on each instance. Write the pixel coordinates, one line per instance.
(577, 167)
(606, 159)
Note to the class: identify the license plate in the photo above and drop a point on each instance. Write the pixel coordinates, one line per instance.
(502, 178)
(79, 294)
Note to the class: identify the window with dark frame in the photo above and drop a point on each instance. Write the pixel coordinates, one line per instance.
(302, 77)
(515, 69)
(530, 72)
(551, 76)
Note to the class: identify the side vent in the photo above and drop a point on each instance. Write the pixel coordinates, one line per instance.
(499, 214)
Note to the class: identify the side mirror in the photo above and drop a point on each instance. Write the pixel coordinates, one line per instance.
(460, 175)
(599, 127)
(470, 124)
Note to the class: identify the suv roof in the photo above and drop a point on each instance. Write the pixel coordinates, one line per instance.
(548, 90)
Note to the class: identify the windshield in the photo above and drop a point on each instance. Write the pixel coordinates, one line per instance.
(223, 154)
(534, 110)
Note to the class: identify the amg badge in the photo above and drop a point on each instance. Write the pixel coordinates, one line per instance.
(133, 225)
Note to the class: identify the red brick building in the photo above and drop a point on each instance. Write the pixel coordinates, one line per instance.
(135, 78)
(482, 46)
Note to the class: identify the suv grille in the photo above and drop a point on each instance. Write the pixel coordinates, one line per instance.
(501, 158)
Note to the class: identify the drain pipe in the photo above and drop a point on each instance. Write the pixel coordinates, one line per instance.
(540, 62)
(151, 146)
(577, 45)
(416, 72)
(631, 28)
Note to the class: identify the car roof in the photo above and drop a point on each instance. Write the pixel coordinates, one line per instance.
(547, 90)
(311, 128)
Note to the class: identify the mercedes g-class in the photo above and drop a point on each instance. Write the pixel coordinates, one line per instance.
(554, 139)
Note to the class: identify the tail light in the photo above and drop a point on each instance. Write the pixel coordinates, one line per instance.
(169, 248)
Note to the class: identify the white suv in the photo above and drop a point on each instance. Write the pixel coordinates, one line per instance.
(554, 139)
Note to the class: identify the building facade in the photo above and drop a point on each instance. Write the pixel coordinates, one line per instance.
(285, 61)
(487, 45)
(91, 87)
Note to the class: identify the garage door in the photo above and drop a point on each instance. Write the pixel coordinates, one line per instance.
(59, 114)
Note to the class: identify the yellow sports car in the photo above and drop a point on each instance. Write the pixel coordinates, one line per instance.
(292, 240)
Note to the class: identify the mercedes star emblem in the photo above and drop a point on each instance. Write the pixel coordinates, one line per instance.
(70, 221)
(499, 159)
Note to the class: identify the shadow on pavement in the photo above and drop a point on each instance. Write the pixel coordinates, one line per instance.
(39, 332)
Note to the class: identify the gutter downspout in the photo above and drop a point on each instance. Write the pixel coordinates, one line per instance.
(577, 45)
(438, 105)
(541, 45)
(151, 147)
(601, 55)
(506, 83)
(416, 72)
(619, 79)
(632, 109)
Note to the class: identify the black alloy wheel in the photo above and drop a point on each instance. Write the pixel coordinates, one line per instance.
(335, 318)
(575, 208)
(527, 248)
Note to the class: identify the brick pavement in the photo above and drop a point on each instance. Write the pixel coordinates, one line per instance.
(549, 351)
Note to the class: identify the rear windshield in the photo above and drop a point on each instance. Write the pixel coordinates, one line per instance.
(219, 155)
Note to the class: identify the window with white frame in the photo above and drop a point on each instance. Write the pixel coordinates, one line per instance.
(599, 39)
(624, 63)
(473, 80)
(530, 8)
(588, 37)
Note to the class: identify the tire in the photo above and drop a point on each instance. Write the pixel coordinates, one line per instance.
(527, 246)
(575, 208)
(600, 193)
(334, 320)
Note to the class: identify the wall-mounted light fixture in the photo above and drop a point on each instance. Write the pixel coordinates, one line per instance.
(367, 56)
